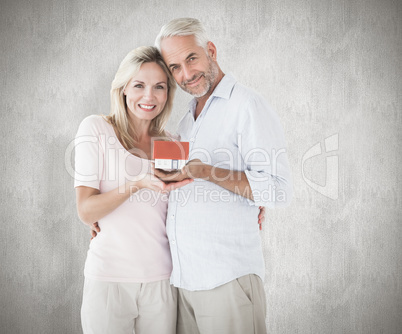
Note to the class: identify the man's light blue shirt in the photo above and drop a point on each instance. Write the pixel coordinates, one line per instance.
(213, 233)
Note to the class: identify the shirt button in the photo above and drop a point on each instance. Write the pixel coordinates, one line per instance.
(173, 242)
(192, 140)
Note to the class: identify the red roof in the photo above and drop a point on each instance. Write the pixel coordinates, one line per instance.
(176, 150)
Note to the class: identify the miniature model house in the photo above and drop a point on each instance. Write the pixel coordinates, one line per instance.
(170, 155)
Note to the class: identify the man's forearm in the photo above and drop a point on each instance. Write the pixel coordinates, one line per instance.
(234, 181)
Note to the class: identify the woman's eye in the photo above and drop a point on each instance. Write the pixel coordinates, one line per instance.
(160, 87)
(138, 86)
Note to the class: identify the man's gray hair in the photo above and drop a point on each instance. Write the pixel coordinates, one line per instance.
(183, 27)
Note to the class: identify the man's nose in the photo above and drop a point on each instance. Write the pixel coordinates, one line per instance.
(187, 73)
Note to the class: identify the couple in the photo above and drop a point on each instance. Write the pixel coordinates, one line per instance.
(203, 272)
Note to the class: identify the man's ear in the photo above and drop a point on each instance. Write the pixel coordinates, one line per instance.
(212, 50)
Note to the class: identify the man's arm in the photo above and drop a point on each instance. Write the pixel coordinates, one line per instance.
(266, 178)
(234, 181)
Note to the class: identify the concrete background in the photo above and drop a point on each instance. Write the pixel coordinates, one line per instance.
(331, 69)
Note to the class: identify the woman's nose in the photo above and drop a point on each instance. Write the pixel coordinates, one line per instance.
(148, 93)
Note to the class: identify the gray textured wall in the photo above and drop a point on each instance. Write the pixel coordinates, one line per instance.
(331, 69)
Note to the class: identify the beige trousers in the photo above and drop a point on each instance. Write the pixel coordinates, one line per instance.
(126, 308)
(237, 307)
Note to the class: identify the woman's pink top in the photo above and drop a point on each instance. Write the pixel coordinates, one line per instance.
(132, 245)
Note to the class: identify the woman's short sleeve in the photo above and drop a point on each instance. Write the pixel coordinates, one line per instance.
(88, 154)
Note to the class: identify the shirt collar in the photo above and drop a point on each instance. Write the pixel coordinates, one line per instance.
(224, 87)
(222, 90)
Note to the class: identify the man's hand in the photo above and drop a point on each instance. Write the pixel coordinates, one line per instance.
(261, 216)
(95, 229)
(174, 185)
(192, 170)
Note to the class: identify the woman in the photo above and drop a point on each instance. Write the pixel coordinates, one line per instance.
(128, 264)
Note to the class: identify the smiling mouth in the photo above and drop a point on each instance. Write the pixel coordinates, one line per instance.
(147, 107)
(193, 82)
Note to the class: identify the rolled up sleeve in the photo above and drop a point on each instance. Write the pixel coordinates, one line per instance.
(263, 149)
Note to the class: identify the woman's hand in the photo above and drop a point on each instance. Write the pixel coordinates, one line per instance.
(150, 181)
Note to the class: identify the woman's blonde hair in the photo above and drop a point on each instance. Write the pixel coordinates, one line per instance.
(128, 68)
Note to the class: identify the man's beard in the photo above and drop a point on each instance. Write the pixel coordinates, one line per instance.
(210, 77)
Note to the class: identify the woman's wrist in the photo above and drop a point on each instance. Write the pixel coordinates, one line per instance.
(134, 185)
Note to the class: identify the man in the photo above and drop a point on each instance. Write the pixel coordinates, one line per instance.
(239, 162)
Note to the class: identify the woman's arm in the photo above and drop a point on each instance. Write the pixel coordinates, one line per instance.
(92, 205)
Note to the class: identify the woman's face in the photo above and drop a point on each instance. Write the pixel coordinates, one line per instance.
(146, 93)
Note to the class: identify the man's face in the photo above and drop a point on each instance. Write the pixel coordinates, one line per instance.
(192, 67)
